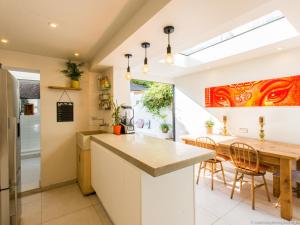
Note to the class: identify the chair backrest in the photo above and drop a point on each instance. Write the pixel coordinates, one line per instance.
(244, 156)
(206, 142)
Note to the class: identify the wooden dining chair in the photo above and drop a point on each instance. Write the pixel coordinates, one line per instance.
(246, 161)
(206, 142)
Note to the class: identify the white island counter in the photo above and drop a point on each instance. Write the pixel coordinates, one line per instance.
(142, 180)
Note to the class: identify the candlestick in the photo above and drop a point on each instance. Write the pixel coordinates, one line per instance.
(225, 125)
(261, 131)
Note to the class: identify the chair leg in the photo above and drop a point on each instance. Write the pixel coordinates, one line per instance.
(234, 183)
(212, 175)
(222, 169)
(253, 192)
(241, 181)
(205, 168)
(267, 190)
(199, 172)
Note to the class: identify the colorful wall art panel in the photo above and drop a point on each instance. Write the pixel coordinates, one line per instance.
(275, 92)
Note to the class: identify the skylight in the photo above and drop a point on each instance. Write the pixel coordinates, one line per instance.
(264, 31)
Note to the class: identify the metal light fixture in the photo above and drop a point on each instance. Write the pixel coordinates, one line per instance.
(128, 74)
(169, 56)
(145, 45)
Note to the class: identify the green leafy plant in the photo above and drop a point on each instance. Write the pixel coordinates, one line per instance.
(209, 123)
(144, 83)
(164, 127)
(116, 113)
(157, 97)
(73, 70)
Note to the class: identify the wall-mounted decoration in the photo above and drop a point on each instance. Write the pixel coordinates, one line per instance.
(64, 111)
(275, 92)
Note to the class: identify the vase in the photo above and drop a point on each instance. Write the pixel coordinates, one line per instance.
(117, 129)
(209, 130)
(75, 84)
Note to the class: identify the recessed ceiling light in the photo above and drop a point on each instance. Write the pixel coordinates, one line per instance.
(279, 48)
(76, 54)
(3, 40)
(52, 25)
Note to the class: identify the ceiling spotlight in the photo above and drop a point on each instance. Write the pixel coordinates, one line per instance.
(76, 54)
(279, 48)
(52, 25)
(169, 56)
(128, 74)
(145, 45)
(4, 41)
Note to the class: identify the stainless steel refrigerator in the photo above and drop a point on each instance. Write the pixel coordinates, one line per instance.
(10, 151)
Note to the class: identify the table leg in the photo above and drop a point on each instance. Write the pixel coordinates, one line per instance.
(286, 189)
(298, 184)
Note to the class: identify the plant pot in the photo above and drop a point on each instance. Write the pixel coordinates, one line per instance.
(75, 84)
(209, 130)
(165, 130)
(117, 129)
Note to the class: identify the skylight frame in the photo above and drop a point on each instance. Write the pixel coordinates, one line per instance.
(268, 19)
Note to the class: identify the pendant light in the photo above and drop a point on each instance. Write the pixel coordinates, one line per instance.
(169, 56)
(145, 45)
(128, 74)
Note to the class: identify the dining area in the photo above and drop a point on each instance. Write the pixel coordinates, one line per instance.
(249, 160)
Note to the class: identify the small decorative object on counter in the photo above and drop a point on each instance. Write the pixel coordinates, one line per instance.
(116, 115)
(73, 72)
(209, 124)
(225, 132)
(164, 127)
(261, 131)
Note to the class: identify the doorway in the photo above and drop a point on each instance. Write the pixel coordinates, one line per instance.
(29, 103)
(153, 104)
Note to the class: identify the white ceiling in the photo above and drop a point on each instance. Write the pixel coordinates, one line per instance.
(84, 26)
(196, 21)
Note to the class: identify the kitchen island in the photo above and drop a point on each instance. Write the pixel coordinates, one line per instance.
(142, 180)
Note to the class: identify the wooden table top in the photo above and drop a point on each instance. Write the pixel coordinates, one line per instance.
(273, 148)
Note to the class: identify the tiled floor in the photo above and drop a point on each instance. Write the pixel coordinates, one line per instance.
(30, 173)
(67, 206)
(63, 206)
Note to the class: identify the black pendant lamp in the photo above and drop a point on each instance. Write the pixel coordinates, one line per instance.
(128, 74)
(169, 56)
(145, 45)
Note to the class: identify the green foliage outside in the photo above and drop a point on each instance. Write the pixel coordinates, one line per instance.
(157, 97)
(144, 83)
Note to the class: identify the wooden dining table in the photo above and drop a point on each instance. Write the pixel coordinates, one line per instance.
(277, 156)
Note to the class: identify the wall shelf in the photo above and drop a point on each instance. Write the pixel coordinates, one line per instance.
(64, 88)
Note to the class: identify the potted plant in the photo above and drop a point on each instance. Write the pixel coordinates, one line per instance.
(116, 118)
(73, 71)
(164, 127)
(209, 124)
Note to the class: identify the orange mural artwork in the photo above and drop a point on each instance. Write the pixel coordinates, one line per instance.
(275, 92)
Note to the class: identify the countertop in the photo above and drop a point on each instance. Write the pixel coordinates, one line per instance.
(153, 155)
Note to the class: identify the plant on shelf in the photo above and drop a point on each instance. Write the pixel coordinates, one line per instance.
(116, 115)
(73, 71)
(209, 124)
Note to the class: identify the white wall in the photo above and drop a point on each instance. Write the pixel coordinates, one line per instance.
(282, 123)
(58, 145)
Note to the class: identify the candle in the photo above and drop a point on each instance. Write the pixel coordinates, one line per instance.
(261, 119)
